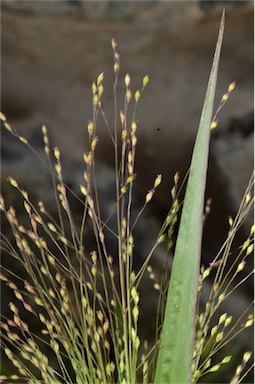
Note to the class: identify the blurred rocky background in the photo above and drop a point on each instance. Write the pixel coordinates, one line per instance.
(52, 51)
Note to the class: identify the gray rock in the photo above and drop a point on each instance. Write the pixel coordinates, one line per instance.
(40, 7)
(233, 157)
(52, 51)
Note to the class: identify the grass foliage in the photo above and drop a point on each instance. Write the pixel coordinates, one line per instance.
(87, 306)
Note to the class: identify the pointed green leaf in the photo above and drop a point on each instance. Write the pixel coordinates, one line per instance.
(177, 338)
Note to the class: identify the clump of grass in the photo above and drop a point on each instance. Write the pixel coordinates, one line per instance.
(87, 306)
(226, 269)
(88, 311)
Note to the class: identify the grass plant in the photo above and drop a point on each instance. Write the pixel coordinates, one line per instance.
(86, 305)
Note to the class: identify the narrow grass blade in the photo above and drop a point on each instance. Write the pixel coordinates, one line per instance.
(177, 338)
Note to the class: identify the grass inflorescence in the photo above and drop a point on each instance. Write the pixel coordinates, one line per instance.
(86, 302)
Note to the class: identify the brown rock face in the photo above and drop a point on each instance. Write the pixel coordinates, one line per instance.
(52, 51)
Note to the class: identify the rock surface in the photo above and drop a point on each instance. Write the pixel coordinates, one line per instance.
(233, 154)
(52, 51)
